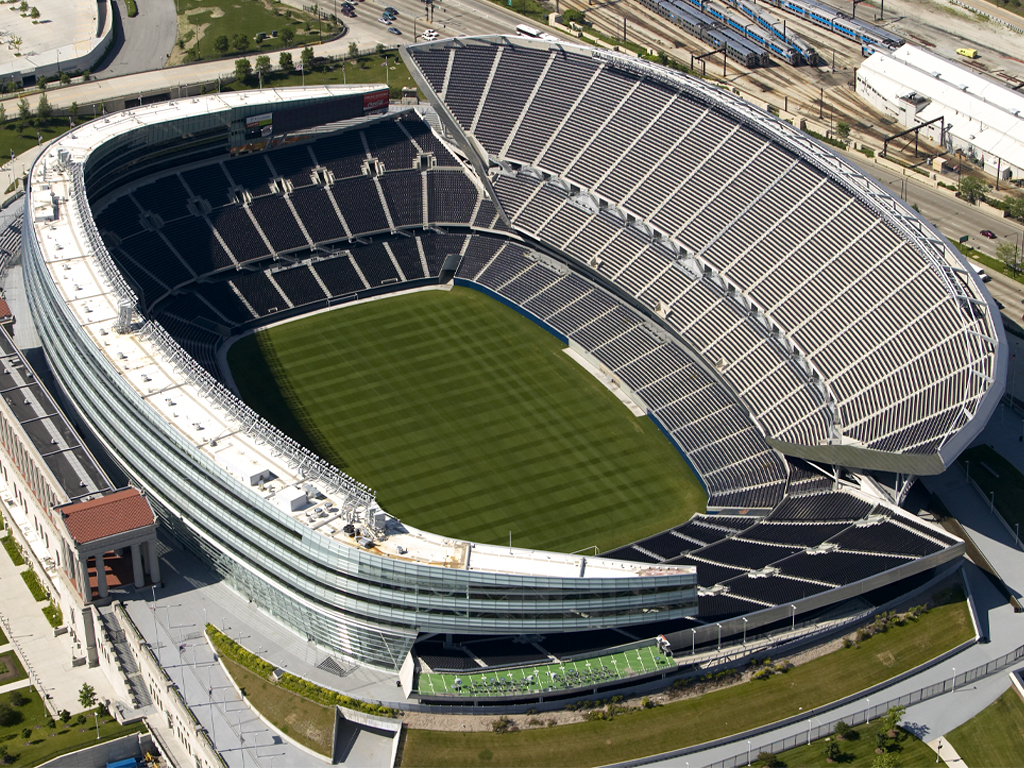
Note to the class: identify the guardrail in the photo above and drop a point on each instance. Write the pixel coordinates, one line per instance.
(867, 715)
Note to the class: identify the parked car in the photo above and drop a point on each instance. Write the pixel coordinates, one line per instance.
(395, 31)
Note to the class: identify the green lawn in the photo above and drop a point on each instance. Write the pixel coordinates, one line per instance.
(995, 736)
(860, 752)
(19, 141)
(302, 720)
(46, 743)
(714, 715)
(469, 421)
(366, 69)
(247, 18)
(994, 473)
(546, 677)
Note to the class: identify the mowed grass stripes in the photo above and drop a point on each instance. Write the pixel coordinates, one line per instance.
(469, 421)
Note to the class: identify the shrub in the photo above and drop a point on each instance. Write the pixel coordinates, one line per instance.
(32, 582)
(768, 759)
(13, 550)
(51, 723)
(53, 614)
(26, 733)
(504, 724)
(17, 699)
(65, 716)
(80, 719)
(842, 730)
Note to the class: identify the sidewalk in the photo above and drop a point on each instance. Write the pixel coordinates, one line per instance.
(49, 656)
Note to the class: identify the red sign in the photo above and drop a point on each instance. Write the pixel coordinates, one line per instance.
(375, 102)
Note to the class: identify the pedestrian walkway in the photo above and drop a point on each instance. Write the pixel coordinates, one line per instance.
(49, 657)
(945, 751)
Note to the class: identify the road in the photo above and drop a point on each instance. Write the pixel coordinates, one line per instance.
(142, 43)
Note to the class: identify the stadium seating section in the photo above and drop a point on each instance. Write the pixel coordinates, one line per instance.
(614, 163)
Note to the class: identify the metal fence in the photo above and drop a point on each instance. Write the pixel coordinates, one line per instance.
(872, 712)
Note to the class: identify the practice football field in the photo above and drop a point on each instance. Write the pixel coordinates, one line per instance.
(469, 421)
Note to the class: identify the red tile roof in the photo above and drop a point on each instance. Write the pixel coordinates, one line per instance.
(5, 311)
(108, 515)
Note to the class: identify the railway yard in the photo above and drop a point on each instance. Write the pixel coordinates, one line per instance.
(825, 93)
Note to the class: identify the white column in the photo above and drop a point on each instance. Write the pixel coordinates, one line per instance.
(154, 561)
(101, 575)
(137, 572)
(83, 577)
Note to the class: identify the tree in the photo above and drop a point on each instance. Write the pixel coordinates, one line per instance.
(1015, 206)
(243, 70)
(65, 78)
(73, 110)
(379, 49)
(886, 760)
(892, 718)
(972, 189)
(26, 733)
(221, 44)
(41, 82)
(17, 699)
(43, 109)
(832, 751)
(767, 759)
(8, 716)
(307, 59)
(3, 114)
(288, 34)
(240, 42)
(34, 13)
(263, 66)
(285, 63)
(24, 110)
(572, 16)
(65, 716)
(843, 131)
(24, 6)
(86, 696)
(353, 49)
(1006, 252)
(4, 756)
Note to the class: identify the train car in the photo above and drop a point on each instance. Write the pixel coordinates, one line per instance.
(791, 47)
(709, 28)
(838, 23)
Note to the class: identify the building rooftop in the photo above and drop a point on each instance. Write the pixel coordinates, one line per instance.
(70, 463)
(120, 512)
(989, 115)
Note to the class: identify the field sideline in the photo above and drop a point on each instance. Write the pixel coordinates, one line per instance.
(469, 421)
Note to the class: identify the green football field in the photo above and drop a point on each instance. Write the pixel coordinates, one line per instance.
(469, 421)
(595, 670)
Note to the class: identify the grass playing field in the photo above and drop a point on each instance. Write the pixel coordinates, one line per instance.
(469, 421)
(547, 677)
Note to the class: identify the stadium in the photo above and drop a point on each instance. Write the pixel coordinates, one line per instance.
(786, 323)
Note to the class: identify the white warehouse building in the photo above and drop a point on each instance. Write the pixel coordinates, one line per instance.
(983, 119)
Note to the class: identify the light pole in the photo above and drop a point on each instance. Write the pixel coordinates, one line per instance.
(868, 710)
(693, 646)
(808, 733)
(954, 680)
(744, 631)
(96, 718)
(748, 751)
(719, 637)
(793, 628)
